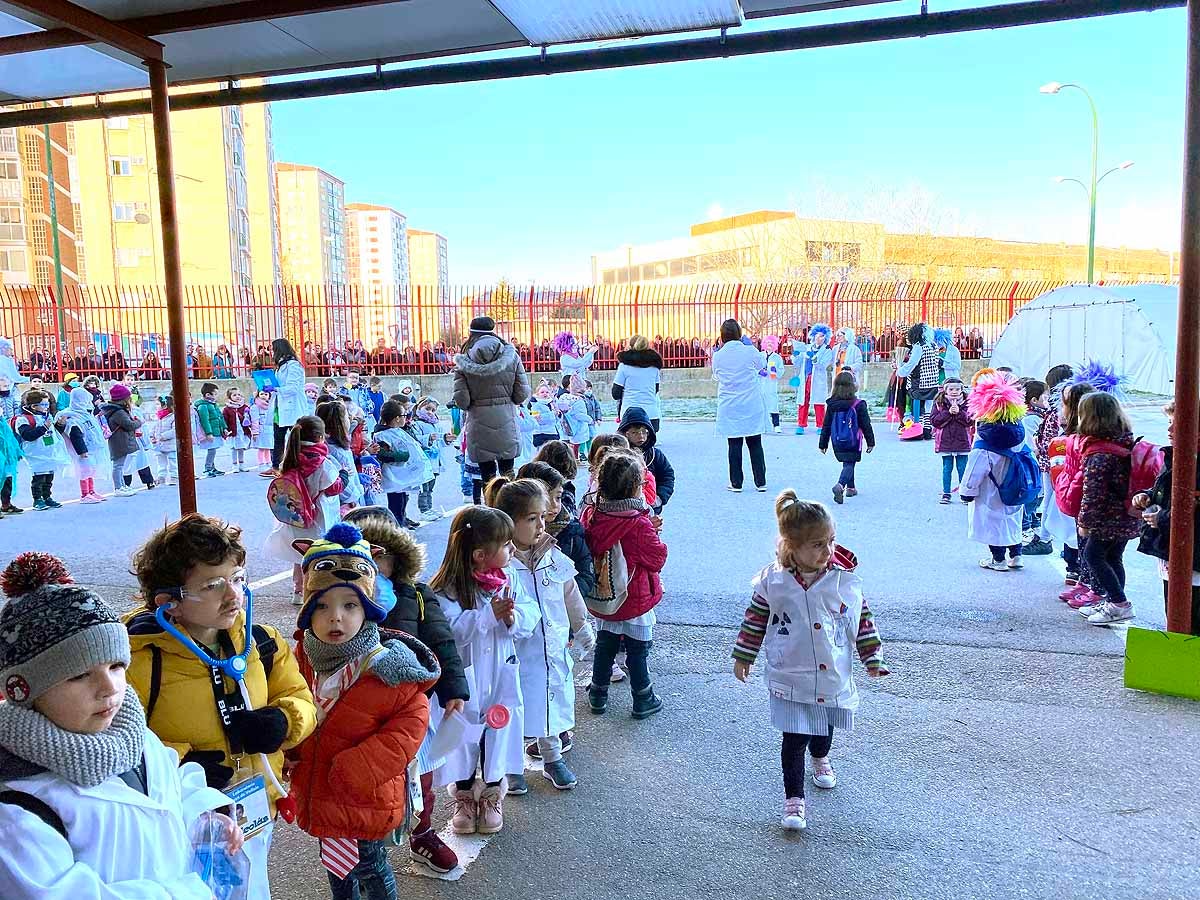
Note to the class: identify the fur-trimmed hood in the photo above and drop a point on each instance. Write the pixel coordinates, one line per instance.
(641, 359)
(406, 660)
(408, 554)
(486, 357)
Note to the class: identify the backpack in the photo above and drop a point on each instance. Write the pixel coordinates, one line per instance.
(1145, 462)
(611, 588)
(1022, 482)
(289, 500)
(844, 432)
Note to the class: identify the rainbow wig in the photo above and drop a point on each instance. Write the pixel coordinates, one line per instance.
(820, 328)
(995, 400)
(1101, 376)
(564, 342)
(986, 370)
(943, 337)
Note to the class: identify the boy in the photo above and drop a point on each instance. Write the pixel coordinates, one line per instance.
(41, 445)
(635, 425)
(93, 804)
(195, 568)
(375, 395)
(1031, 517)
(212, 427)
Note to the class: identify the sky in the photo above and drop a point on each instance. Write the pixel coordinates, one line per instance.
(527, 178)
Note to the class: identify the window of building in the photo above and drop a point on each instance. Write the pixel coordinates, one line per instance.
(9, 170)
(128, 257)
(8, 140)
(12, 260)
(831, 252)
(123, 212)
(118, 123)
(119, 165)
(42, 272)
(37, 238)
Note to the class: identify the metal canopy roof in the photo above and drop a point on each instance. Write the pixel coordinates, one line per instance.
(43, 60)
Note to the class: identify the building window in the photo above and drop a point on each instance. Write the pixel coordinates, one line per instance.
(123, 212)
(119, 165)
(8, 140)
(128, 257)
(9, 170)
(12, 260)
(118, 123)
(832, 252)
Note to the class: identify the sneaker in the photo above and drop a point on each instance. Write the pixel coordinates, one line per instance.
(272, 473)
(9, 509)
(996, 566)
(618, 674)
(777, 430)
(468, 500)
(151, 486)
(736, 490)
(568, 741)
(410, 523)
(1073, 591)
(839, 492)
(1071, 579)
(597, 699)
(533, 752)
(1087, 597)
(1110, 613)
(761, 488)
(125, 490)
(51, 503)
(214, 473)
(466, 813)
(491, 811)
(851, 492)
(559, 775)
(39, 505)
(646, 704)
(1015, 562)
(823, 775)
(793, 814)
(517, 785)
(429, 850)
(1037, 547)
(963, 499)
(945, 501)
(799, 429)
(91, 498)
(297, 598)
(1086, 611)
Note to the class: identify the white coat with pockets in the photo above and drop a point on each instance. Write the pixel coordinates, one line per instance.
(990, 521)
(290, 400)
(547, 685)
(409, 475)
(741, 406)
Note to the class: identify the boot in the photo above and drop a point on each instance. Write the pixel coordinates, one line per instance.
(466, 812)
(598, 698)
(491, 809)
(646, 703)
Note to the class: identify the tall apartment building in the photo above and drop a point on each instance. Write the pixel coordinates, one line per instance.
(429, 272)
(377, 252)
(312, 237)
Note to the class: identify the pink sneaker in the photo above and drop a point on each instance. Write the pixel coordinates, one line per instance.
(1072, 592)
(1087, 598)
(90, 498)
(99, 497)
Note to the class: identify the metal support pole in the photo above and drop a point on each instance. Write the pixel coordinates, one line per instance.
(1187, 356)
(58, 280)
(173, 271)
(1091, 272)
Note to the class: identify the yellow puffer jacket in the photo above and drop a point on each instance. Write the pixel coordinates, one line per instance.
(185, 713)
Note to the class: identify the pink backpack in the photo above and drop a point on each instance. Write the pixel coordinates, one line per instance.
(290, 501)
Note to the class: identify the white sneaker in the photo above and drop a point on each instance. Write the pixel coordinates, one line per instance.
(125, 491)
(1015, 562)
(777, 430)
(468, 500)
(618, 674)
(989, 563)
(297, 598)
(794, 818)
(1109, 613)
(823, 775)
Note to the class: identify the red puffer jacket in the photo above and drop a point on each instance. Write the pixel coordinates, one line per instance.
(604, 524)
(350, 775)
(1068, 486)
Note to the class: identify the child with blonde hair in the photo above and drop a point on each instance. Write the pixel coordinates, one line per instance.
(808, 612)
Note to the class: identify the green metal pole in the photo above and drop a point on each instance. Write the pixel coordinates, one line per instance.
(1091, 272)
(58, 279)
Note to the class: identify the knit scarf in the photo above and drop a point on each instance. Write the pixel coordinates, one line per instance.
(83, 759)
(326, 659)
(561, 521)
(614, 506)
(312, 456)
(491, 581)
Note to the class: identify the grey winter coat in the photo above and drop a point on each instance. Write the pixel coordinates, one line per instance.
(122, 427)
(489, 382)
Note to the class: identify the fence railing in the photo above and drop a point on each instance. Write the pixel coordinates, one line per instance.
(416, 329)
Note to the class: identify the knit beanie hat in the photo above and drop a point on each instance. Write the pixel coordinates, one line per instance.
(483, 324)
(342, 558)
(51, 629)
(119, 392)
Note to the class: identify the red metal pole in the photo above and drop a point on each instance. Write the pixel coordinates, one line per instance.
(1012, 300)
(925, 301)
(1187, 356)
(173, 270)
(833, 307)
(637, 292)
(532, 356)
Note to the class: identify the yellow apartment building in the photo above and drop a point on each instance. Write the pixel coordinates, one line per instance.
(429, 274)
(377, 255)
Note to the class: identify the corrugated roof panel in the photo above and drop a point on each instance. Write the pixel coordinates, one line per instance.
(567, 21)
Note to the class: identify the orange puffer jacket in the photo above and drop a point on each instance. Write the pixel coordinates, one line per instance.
(349, 778)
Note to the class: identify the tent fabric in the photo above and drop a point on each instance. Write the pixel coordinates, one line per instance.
(1132, 327)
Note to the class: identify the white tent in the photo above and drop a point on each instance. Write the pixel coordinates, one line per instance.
(1130, 327)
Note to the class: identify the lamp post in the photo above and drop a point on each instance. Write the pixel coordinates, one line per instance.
(1053, 88)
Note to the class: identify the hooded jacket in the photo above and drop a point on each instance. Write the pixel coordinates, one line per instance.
(1103, 487)
(122, 429)
(645, 553)
(640, 359)
(1156, 541)
(489, 380)
(951, 431)
(656, 460)
(351, 775)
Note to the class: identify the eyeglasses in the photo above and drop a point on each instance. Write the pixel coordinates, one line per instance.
(218, 588)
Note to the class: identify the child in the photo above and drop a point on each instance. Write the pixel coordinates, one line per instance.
(405, 465)
(93, 805)
(238, 426)
(375, 395)
(565, 528)
(41, 445)
(807, 612)
(547, 575)
(86, 444)
(595, 411)
(488, 611)
(129, 379)
(329, 388)
(771, 377)
(212, 428)
(1105, 443)
(1035, 405)
(1065, 463)
(162, 438)
(352, 775)
(541, 406)
(558, 455)
(1051, 428)
(262, 426)
(635, 426)
(996, 404)
(195, 569)
(416, 611)
(621, 516)
(337, 438)
(1155, 506)
(10, 447)
(953, 430)
(848, 423)
(432, 436)
(307, 452)
(124, 427)
(311, 393)
(573, 415)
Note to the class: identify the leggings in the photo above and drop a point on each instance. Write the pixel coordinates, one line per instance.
(792, 756)
(847, 476)
(774, 421)
(398, 506)
(281, 433)
(1104, 559)
(758, 463)
(1014, 552)
(949, 464)
(466, 784)
(118, 471)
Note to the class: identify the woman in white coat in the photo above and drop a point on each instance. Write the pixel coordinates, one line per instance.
(741, 406)
(290, 400)
(636, 383)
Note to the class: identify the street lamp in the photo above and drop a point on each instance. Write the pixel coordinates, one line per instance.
(1054, 87)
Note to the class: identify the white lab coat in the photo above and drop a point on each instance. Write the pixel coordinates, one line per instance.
(290, 399)
(741, 407)
(990, 521)
(547, 685)
(489, 657)
(770, 383)
(399, 478)
(123, 845)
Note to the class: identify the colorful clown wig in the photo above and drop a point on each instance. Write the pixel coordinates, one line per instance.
(986, 370)
(820, 328)
(1101, 376)
(564, 342)
(943, 337)
(770, 343)
(995, 400)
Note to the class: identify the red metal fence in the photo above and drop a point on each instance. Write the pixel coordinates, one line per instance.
(415, 330)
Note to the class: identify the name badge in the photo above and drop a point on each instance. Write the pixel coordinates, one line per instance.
(251, 808)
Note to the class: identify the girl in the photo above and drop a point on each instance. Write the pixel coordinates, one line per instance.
(621, 516)
(238, 425)
(70, 382)
(848, 422)
(547, 575)
(953, 432)
(92, 383)
(262, 427)
(1035, 405)
(557, 454)
(1106, 441)
(807, 611)
(541, 407)
(311, 392)
(86, 444)
(772, 377)
(564, 527)
(573, 415)
(41, 445)
(162, 438)
(1050, 429)
(337, 426)
(123, 427)
(405, 465)
(432, 436)
(307, 452)
(488, 610)
(1064, 464)
(211, 436)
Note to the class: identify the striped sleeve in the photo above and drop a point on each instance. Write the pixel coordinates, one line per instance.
(870, 648)
(754, 629)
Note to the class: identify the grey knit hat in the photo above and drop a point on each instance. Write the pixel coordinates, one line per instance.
(51, 629)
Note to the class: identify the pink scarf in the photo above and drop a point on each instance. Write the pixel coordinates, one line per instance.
(491, 580)
(312, 456)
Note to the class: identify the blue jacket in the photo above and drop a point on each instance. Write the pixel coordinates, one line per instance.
(656, 460)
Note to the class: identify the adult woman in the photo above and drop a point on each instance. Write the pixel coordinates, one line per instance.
(639, 373)
(204, 364)
(223, 363)
(290, 402)
(489, 382)
(741, 407)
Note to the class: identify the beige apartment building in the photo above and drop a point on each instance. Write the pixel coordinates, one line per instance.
(377, 253)
(429, 275)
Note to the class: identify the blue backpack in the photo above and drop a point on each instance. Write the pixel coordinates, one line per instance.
(844, 432)
(1022, 482)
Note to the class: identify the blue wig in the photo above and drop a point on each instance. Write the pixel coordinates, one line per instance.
(820, 328)
(943, 337)
(1101, 376)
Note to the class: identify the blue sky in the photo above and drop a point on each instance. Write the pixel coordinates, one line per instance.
(527, 178)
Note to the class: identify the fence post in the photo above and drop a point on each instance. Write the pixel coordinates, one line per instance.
(532, 333)
(1012, 300)
(833, 307)
(637, 292)
(737, 297)
(300, 328)
(925, 301)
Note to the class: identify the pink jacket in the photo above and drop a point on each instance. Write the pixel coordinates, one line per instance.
(645, 553)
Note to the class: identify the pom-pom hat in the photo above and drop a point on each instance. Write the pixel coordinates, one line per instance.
(119, 392)
(996, 400)
(342, 558)
(51, 629)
